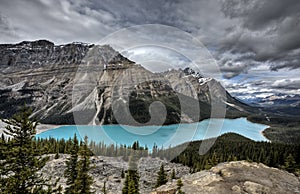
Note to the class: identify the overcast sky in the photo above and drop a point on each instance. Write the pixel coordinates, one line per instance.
(256, 43)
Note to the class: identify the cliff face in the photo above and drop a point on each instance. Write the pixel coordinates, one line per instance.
(87, 84)
(238, 177)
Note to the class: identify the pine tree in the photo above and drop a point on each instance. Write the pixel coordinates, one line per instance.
(179, 185)
(71, 169)
(3, 147)
(20, 164)
(56, 154)
(131, 184)
(126, 184)
(104, 188)
(162, 177)
(122, 174)
(132, 189)
(214, 160)
(173, 175)
(289, 163)
(83, 180)
(207, 165)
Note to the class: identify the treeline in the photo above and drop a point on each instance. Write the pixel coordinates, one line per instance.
(283, 129)
(228, 147)
(231, 147)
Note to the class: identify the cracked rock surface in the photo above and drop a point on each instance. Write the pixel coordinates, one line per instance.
(239, 177)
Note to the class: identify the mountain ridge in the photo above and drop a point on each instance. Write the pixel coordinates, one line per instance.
(94, 82)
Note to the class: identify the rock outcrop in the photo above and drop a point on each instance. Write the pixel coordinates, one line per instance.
(238, 177)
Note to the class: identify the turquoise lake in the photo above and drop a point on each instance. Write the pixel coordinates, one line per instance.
(165, 136)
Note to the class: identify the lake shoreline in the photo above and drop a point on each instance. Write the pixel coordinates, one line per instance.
(46, 127)
(177, 133)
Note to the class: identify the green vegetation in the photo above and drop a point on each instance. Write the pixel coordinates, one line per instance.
(78, 166)
(131, 184)
(162, 177)
(20, 161)
(22, 156)
(83, 180)
(179, 185)
(71, 169)
(230, 147)
(173, 175)
(282, 129)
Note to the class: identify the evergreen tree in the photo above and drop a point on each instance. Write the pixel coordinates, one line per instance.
(162, 177)
(289, 163)
(207, 165)
(125, 189)
(56, 154)
(20, 162)
(173, 175)
(179, 185)
(104, 188)
(122, 174)
(214, 160)
(71, 169)
(131, 184)
(83, 180)
(136, 145)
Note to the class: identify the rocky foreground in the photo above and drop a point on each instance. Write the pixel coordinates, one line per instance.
(232, 177)
(238, 177)
(109, 169)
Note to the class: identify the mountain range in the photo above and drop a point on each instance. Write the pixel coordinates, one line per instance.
(94, 84)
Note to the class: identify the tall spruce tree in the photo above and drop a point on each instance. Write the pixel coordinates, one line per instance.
(21, 162)
(289, 163)
(131, 184)
(83, 180)
(173, 174)
(71, 170)
(162, 177)
(125, 189)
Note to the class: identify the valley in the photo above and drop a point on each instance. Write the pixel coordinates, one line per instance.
(62, 89)
(134, 117)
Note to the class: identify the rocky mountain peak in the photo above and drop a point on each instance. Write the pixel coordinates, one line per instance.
(190, 71)
(35, 54)
(112, 58)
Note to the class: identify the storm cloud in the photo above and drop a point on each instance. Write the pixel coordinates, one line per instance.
(268, 29)
(247, 38)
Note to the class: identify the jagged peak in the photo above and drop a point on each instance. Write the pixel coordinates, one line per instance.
(192, 72)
